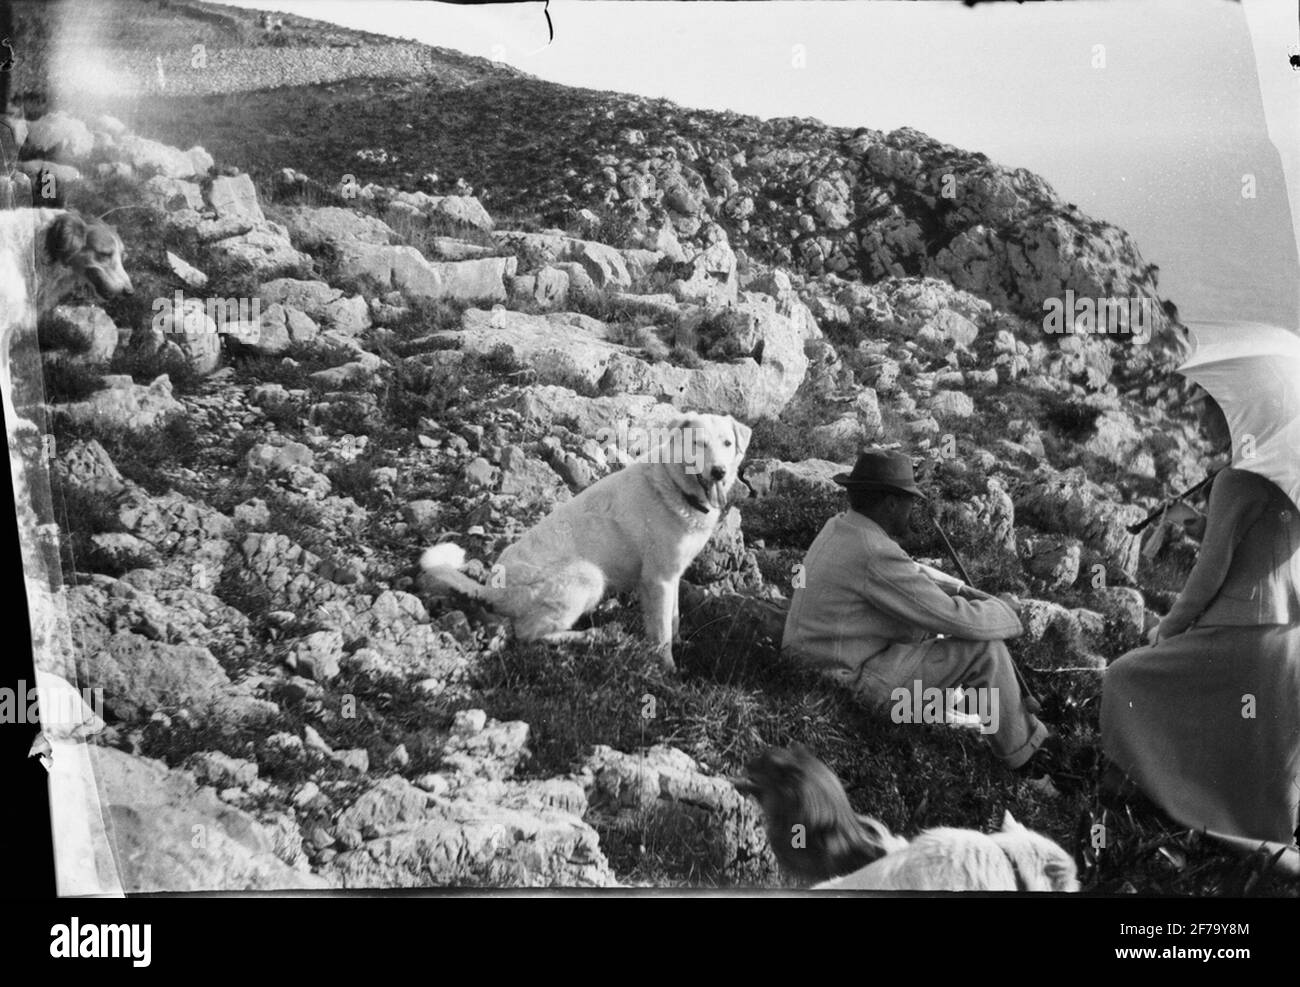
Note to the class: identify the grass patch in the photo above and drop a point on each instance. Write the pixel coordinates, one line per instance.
(789, 438)
(140, 456)
(352, 479)
(789, 520)
(81, 514)
(66, 381)
(413, 390)
(145, 366)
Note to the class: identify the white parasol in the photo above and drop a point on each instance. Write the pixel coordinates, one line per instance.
(1253, 371)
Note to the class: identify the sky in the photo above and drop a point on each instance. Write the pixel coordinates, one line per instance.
(1155, 131)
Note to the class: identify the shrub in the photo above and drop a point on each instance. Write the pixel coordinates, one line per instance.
(68, 381)
(353, 479)
(82, 514)
(415, 390)
(139, 455)
(790, 438)
(144, 366)
(791, 521)
(57, 333)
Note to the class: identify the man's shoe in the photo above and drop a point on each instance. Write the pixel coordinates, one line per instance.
(1048, 764)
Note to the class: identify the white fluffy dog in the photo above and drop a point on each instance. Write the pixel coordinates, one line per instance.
(638, 528)
(944, 859)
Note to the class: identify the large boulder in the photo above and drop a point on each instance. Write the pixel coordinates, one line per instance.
(150, 157)
(265, 249)
(421, 209)
(757, 385)
(1068, 503)
(548, 404)
(192, 333)
(563, 348)
(313, 229)
(275, 329)
(400, 268)
(59, 135)
(548, 288)
(669, 784)
(95, 332)
(712, 272)
(235, 197)
(320, 302)
(125, 404)
(140, 675)
(169, 834)
(604, 265)
(724, 560)
(471, 827)
(809, 478)
(171, 194)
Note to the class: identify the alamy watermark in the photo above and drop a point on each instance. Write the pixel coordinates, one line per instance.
(179, 315)
(654, 444)
(1114, 316)
(59, 705)
(973, 709)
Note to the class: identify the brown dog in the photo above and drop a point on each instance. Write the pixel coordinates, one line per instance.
(811, 826)
(45, 254)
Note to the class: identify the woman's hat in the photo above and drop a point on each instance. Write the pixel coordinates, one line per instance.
(880, 469)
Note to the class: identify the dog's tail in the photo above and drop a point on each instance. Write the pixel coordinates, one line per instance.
(441, 563)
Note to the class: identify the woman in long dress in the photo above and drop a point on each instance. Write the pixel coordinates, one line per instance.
(1205, 721)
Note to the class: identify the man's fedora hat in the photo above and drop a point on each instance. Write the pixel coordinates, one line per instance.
(880, 469)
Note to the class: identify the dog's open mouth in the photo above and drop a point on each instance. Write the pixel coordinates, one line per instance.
(713, 492)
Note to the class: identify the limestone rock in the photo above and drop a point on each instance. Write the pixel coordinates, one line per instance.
(154, 813)
(124, 404)
(59, 135)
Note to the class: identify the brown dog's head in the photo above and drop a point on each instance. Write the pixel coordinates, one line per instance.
(707, 451)
(811, 826)
(87, 252)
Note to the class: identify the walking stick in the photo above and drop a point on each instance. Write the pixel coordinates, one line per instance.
(1032, 702)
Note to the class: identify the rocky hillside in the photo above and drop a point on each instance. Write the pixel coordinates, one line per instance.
(238, 499)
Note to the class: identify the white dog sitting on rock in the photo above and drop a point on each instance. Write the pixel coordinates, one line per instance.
(638, 528)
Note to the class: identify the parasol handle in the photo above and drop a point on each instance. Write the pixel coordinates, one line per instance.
(1140, 526)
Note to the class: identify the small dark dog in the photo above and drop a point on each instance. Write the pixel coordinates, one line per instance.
(818, 838)
(811, 826)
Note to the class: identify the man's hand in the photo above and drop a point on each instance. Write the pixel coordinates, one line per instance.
(1012, 601)
(1186, 517)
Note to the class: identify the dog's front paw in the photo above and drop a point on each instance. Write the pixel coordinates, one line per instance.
(665, 655)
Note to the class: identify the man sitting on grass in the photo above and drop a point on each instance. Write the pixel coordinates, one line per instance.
(868, 616)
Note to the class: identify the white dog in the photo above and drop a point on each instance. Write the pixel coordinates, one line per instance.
(44, 255)
(638, 528)
(945, 859)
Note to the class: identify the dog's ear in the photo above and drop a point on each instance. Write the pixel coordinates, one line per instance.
(1009, 824)
(742, 433)
(66, 236)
